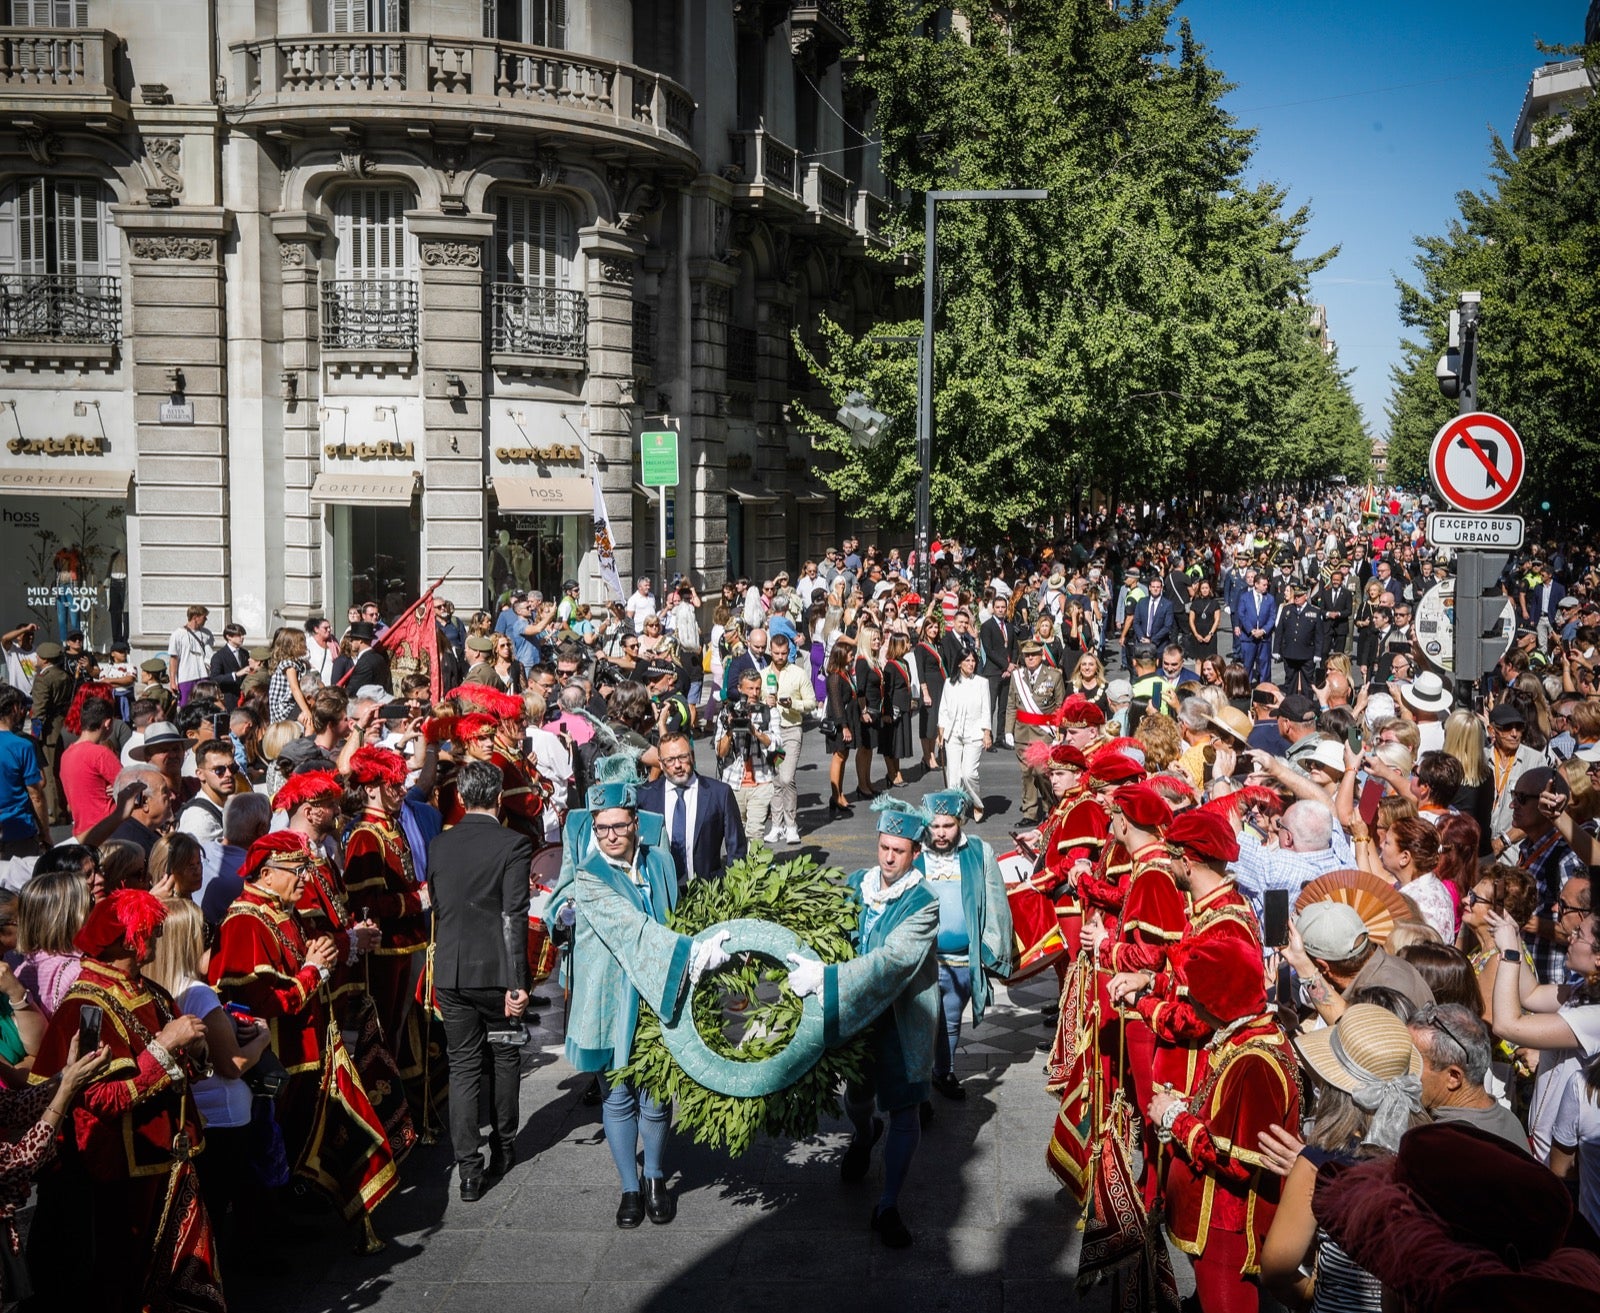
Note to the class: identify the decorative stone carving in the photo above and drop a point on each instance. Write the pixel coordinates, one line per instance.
(544, 168)
(355, 162)
(294, 255)
(42, 145)
(616, 270)
(451, 158)
(172, 248)
(452, 255)
(165, 156)
(717, 300)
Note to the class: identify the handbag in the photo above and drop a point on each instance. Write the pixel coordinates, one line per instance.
(830, 727)
(268, 1076)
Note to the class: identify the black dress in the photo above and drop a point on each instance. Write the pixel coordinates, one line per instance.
(1366, 635)
(844, 711)
(867, 681)
(930, 671)
(1203, 615)
(896, 738)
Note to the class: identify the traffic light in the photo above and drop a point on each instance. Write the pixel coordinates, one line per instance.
(1485, 622)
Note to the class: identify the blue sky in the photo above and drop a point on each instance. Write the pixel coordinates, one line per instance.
(1376, 115)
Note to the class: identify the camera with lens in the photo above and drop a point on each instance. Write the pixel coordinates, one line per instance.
(736, 718)
(607, 674)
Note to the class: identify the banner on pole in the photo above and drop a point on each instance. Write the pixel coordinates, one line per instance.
(604, 550)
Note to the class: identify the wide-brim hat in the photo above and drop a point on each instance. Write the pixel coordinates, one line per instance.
(1427, 692)
(1367, 1043)
(1232, 722)
(157, 734)
(1327, 754)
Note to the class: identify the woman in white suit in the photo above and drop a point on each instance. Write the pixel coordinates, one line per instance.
(964, 731)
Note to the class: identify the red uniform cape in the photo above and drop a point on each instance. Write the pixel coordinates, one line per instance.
(1153, 915)
(1215, 1180)
(258, 962)
(146, 1240)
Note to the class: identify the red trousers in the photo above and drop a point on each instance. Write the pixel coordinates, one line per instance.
(1218, 1285)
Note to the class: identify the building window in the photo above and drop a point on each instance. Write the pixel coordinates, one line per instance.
(49, 13)
(341, 16)
(536, 309)
(750, 73)
(377, 557)
(528, 22)
(60, 260)
(372, 300)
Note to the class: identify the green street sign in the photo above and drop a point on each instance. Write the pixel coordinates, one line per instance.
(658, 459)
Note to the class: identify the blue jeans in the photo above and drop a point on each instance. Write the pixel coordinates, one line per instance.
(955, 992)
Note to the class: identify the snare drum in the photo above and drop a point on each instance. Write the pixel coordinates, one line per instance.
(541, 948)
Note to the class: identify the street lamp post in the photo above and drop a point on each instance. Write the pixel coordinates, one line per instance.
(925, 363)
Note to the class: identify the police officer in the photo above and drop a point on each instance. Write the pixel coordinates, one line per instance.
(1300, 640)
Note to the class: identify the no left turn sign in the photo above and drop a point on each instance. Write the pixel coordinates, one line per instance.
(1477, 462)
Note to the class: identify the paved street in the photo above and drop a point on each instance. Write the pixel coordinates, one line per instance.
(773, 1230)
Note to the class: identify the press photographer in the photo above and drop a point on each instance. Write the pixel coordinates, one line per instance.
(746, 735)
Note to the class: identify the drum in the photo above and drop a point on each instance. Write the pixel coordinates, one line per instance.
(1035, 926)
(541, 948)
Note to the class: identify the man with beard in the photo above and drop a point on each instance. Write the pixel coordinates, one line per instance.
(1037, 692)
(974, 924)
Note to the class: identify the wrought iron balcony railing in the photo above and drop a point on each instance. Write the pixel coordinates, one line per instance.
(741, 354)
(60, 308)
(369, 314)
(539, 321)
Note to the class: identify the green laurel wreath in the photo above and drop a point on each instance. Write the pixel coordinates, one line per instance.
(815, 904)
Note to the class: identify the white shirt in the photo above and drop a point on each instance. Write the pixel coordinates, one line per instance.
(640, 607)
(669, 806)
(551, 759)
(198, 819)
(192, 647)
(964, 710)
(807, 590)
(320, 658)
(1556, 1068)
(1577, 1125)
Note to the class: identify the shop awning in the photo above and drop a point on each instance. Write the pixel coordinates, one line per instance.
(753, 494)
(544, 496)
(364, 489)
(111, 484)
(650, 495)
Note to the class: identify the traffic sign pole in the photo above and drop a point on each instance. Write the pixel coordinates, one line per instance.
(658, 469)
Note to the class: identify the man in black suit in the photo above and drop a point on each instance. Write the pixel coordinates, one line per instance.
(703, 829)
(372, 662)
(1154, 620)
(1336, 602)
(478, 883)
(1300, 641)
(999, 644)
(230, 664)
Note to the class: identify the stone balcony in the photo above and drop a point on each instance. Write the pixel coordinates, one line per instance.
(829, 198)
(290, 84)
(55, 74)
(767, 173)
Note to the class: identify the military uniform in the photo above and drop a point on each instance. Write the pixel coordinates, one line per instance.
(1300, 642)
(1036, 696)
(52, 699)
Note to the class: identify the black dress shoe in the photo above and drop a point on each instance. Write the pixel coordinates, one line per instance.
(858, 1157)
(537, 1001)
(946, 1084)
(659, 1206)
(630, 1212)
(891, 1230)
(471, 1187)
(592, 1097)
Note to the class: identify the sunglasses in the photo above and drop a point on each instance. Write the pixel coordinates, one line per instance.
(1524, 798)
(1475, 899)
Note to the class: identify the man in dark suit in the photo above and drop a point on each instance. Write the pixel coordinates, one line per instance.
(1175, 587)
(1154, 621)
(372, 662)
(1299, 640)
(1336, 602)
(1253, 624)
(478, 884)
(754, 657)
(703, 829)
(998, 643)
(230, 664)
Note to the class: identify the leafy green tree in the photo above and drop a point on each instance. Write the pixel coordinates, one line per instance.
(1142, 331)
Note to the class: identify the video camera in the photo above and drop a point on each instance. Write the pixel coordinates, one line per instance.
(607, 674)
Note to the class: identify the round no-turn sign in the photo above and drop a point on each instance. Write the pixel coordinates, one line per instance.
(1477, 462)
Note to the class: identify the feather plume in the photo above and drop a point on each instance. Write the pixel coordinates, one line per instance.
(621, 767)
(480, 697)
(888, 803)
(1036, 756)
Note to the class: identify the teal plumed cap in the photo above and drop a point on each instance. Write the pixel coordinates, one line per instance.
(616, 782)
(948, 802)
(900, 819)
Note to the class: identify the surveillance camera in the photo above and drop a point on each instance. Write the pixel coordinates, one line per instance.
(1448, 374)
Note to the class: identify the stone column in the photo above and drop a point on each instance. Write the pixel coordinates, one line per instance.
(453, 331)
(300, 236)
(713, 284)
(768, 526)
(178, 546)
(609, 276)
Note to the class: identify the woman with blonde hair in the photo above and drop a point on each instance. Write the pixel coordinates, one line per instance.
(1089, 679)
(223, 1099)
(175, 866)
(51, 909)
(867, 680)
(1464, 740)
(273, 739)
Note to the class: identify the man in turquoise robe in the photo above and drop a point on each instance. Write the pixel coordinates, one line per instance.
(974, 923)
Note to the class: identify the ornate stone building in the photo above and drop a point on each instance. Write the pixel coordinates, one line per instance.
(309, 301)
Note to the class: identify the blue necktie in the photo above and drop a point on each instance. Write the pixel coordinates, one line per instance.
(680, 825)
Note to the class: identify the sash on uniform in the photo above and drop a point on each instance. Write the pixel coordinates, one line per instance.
(347, 1153)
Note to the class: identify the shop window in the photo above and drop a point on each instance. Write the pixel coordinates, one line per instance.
(66, 566)
(536, 309)
(371, 303)
(528, 22)
(534, 551)
(377, 557)
(60, 261)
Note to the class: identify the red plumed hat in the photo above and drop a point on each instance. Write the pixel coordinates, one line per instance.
(1041, 755)
(306, 787)
(506, 706)
(1143, 806)
(377, 766)
(1110, 767)
(1204, 834)
(471, 725)
(1223, 973)
(1174, 788)
(1077, 712)
(268, 846)
(128, 916)
(1128, 747)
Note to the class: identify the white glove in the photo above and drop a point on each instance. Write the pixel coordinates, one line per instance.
(1011, 740)
(805, 975)
(709, 955)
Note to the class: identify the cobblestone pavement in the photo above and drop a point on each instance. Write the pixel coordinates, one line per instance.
(773, 1230)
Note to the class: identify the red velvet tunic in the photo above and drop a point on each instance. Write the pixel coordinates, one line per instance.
(1153, 915)
(1077, 830)
(259, 962)
(380, 879)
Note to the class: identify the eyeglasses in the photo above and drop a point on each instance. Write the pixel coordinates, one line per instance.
(1579, 937)
(1475, 899)
(1563, 908)
(682, 760)
(609, 831)
(219, 770)
(1524, 798)
(304, 868)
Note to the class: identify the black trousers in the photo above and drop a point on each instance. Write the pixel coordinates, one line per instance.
(468, 1014)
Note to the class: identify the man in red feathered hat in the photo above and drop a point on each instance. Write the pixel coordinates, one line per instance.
(481, 737)
(265, 961)
(380, 876)
(1102, 881)
(1071, 835)
(120, 1220)
(1220, 1197)
(1081, 723)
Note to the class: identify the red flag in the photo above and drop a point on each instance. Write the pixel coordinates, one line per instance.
(412, 642)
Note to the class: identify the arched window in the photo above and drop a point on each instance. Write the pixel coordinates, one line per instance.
(372, 299)
(60, 261)
(537, 310)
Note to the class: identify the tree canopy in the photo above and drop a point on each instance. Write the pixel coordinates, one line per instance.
(1143, 331)
(1528, 244)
